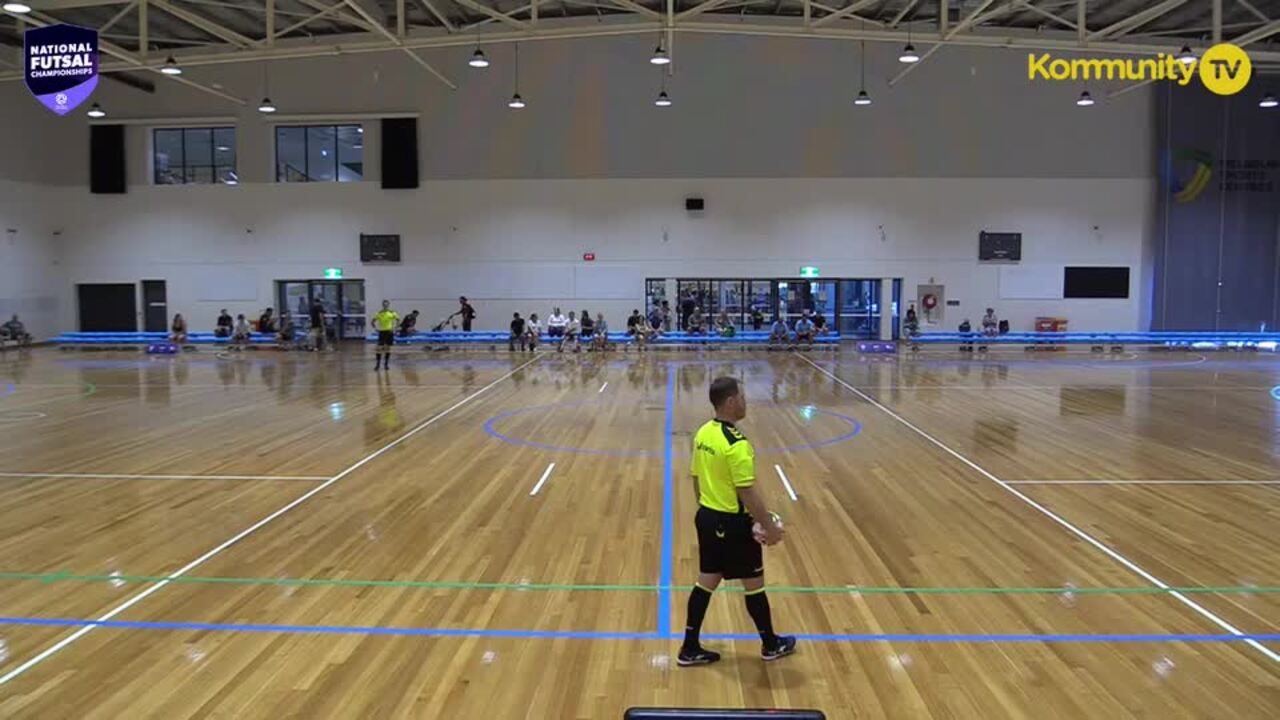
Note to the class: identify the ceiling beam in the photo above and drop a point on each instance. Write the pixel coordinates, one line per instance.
(1217, 21)
(399, 42)
(706, 6)
(500, 17)
(1248, 38)
(961, 27)
(444, 19)
(221, 32)
(635, 8)
(1045, 13)
(1256, 12)
(844, 12)
(1137, 20)
(118, 16)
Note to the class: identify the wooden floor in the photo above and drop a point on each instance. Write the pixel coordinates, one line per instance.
(158, 514)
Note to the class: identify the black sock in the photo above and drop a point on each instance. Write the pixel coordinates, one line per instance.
(699, 599)
(758, 606)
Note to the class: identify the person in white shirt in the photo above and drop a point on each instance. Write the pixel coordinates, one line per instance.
(532, 331)
(571, 332)
(557, 323)
(242, 332)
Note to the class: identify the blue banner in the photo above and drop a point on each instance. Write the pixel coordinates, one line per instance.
(60, 65)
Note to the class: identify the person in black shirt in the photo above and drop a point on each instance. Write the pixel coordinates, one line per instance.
(757, 318)
(820, 323)
(588, 325)
(467, 312)
(409, 325)
(633, 321)
(317, 325)
(225, 323)
(266, 321)
(517, 333)
(687, 307)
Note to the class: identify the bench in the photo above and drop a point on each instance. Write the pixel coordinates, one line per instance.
(131, 340)
(1100, 341)
(673, 339)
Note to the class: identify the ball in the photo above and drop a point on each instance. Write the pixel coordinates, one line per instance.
(757, 530)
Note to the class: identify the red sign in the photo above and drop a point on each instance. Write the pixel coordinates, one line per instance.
(588, 256)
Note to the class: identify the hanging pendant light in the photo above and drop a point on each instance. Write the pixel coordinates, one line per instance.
(478, 59)
(1085, 99)
(1185, 56)
(517, 102)
(171, 67)
(96, 111)
(1268, 101)
(863, 98)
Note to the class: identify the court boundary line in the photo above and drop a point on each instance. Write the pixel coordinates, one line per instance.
(632, 635)
(143, 476)
(542, 480)
(147, 592)
(1143, 482)
(786, 483)
(666, 566)
(1132, 566)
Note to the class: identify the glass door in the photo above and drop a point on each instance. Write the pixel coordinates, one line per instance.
(760, 299)
(796, 296)
(294, 298)
(329, 294)
(860, 309)
(353, 316)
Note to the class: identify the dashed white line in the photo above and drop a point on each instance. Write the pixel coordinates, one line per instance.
(543, 480)
(786, 483)
(602, 387)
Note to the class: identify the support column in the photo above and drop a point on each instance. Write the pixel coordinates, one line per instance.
(886, 308)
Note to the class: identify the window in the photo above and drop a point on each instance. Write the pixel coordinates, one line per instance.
(319, 153)
(194, 155)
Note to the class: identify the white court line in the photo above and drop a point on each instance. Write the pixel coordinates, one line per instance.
(545, 475)
(1143, 482)
(1054, 516)
(114, 476)
(602, 387)
(249, 530)
(787, 483)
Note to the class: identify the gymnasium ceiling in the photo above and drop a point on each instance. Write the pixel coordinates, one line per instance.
(208, 32)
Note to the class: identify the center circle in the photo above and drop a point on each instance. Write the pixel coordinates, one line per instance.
(807, 411)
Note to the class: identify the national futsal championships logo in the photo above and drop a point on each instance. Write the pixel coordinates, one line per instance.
(1224, 69)
(1187, 173)
(60, 65)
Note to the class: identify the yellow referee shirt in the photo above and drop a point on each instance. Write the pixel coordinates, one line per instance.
(723, 461)
(386, 320)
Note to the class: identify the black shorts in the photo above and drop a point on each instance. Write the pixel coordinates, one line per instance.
(555, 331)
(386, 338)
(726, 546)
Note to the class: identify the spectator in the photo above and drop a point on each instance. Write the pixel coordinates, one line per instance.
(409, 325)
(284, 338)
(600, 341)
(517, 333)
(224, 326)
(267, 321)
(990, 326)
(965, 327)
(14, 330)
(911, 324)
(556, 324)
(532, 332)
(642, 333)
(820, 323)
(571, 332)
(757, 318)
(634, 321)
(666, 317)
(317, 325)
(656, 318)
(805, 329)
(687, 307)
(588, 325)
(696, 324)
(178, 332)
(467, 313)
(242, 332)
(724, 328)
(779, 333)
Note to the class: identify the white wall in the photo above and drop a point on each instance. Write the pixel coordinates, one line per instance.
(32, 282)
(518, 245)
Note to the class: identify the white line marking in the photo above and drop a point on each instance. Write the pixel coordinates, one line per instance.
(602, 387)
(249, 530)
(1053, 516)
(545, 475)
(1143, 482)
(787, 483)
(114, 476)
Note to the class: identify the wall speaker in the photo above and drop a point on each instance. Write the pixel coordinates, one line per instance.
(694, 204)
(106, 159)
(399, 153)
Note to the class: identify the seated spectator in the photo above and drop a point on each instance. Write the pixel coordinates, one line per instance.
(634, 321)
(965, 327)
(267, 321)
(642, 334)
(17, 332)
(517, 333)
(409, 325)
(572, 330)
(556, 324)
(820, 323)
(779, 333)
(588, 325)
(285, 338)
(805, 329)
(724, 327)
(600, 341)
(243, 332)
(697, 323)
(911, 324)
(178, 332)
(657, 319)
(757, 319)
(990, 326)
(532, 332)
(225, 325)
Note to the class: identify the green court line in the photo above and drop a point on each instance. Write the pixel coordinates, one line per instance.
(65, 576)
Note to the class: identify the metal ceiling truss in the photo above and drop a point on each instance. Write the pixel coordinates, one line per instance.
(201, 33)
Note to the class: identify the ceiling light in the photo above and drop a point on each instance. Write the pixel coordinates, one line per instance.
(17, 8)
(1268, 101)
(224, 148)
(660, 57)
(265, 106)
(517, 102)
(909, 54)
(863, 98)
(478, 60)
(96, 111)
(1085, 99)
(360, 129)
(663, 100)
(171, 67)
(1185, 56)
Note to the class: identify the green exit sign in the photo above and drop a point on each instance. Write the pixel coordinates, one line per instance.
(809, 271)
(333, 273)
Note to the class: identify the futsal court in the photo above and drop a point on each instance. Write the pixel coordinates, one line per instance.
(479, 534)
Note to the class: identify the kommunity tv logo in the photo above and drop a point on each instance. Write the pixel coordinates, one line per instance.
(1224, 69)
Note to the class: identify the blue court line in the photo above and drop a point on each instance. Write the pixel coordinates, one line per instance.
(668, 501)
(598, 635)
(10, 389)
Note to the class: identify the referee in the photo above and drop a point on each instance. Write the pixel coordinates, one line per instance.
(385, 323)
(724, 473)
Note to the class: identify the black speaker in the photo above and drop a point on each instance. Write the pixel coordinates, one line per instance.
(399, 153)
(694, 204)
(106, 159)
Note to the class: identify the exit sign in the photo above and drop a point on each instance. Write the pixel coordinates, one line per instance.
(809, 271)
(333, 273)
(589, 257)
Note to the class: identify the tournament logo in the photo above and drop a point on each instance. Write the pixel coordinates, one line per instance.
(1188, 173)
(60, 65)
